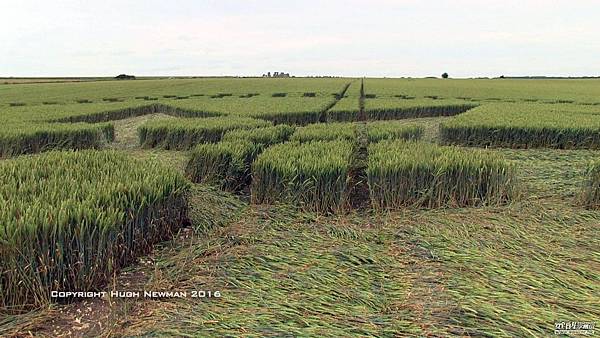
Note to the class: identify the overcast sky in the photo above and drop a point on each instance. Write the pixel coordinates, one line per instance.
(349, 38)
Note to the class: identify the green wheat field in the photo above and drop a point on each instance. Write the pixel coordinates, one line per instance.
(325, 207)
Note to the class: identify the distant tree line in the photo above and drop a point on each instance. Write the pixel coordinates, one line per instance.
(276, 74)
(548, 77)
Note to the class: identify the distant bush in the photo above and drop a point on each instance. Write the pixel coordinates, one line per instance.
(125, 77)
